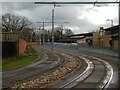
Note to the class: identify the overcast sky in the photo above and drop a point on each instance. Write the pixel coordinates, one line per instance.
(81, 18)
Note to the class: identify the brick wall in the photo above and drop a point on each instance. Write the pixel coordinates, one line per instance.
(32, 43)
(115, 44)
(21, 46)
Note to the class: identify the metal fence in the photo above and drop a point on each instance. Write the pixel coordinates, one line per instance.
(110, 51)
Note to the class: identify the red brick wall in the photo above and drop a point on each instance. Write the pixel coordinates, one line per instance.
(21, 46)
(31, 43)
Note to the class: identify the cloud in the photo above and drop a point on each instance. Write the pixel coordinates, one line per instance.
(81, 18)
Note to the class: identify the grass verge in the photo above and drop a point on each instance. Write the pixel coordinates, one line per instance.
(20, 60)
(12, 62)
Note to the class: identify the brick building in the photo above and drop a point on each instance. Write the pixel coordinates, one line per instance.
(111, 37)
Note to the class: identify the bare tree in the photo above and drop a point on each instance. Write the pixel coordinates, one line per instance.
(26, 34)
(68, 32)
(12, 22)
(60, 33)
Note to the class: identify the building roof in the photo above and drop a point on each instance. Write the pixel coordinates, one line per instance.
(112, 28)
(83, 34)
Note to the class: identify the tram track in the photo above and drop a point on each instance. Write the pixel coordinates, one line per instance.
(33, 70)
(87, 74)
(82, 76)
(109, 75)
(98, 74)
(93, 72)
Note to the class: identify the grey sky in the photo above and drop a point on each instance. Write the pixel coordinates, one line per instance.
(81, 18)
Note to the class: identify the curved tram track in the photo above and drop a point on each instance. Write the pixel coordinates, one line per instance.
(93, 73)
(94, 66)
(48, 62)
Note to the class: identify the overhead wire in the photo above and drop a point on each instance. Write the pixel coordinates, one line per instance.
(89, 9)
(49, 15)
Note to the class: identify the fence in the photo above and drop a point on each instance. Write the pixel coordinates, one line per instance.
(99, 50)
(109, 51)
(8, 36)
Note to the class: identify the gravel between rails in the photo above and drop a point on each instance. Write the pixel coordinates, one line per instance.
(56, 74)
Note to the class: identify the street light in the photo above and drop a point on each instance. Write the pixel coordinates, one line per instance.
(111, 22)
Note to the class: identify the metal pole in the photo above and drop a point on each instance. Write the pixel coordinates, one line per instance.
(111, 23)
(52, 28)
(31, 36)
(43, 33)
(54, 3)
(119, 36)
(119, 32)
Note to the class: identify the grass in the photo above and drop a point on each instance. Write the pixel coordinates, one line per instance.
(31, 50)
(12, 62)
(20, 60)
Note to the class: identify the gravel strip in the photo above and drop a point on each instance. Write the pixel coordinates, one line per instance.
(56, 74)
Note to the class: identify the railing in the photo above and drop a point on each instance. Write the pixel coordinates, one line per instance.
(99, 49)
(8, 36)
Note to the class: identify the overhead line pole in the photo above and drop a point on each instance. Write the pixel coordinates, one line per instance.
(54, 3)
(43, 30)
(43, 33)
(52, 28)
(119, 32)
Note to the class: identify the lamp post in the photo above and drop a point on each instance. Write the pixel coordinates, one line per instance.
(111, 22)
